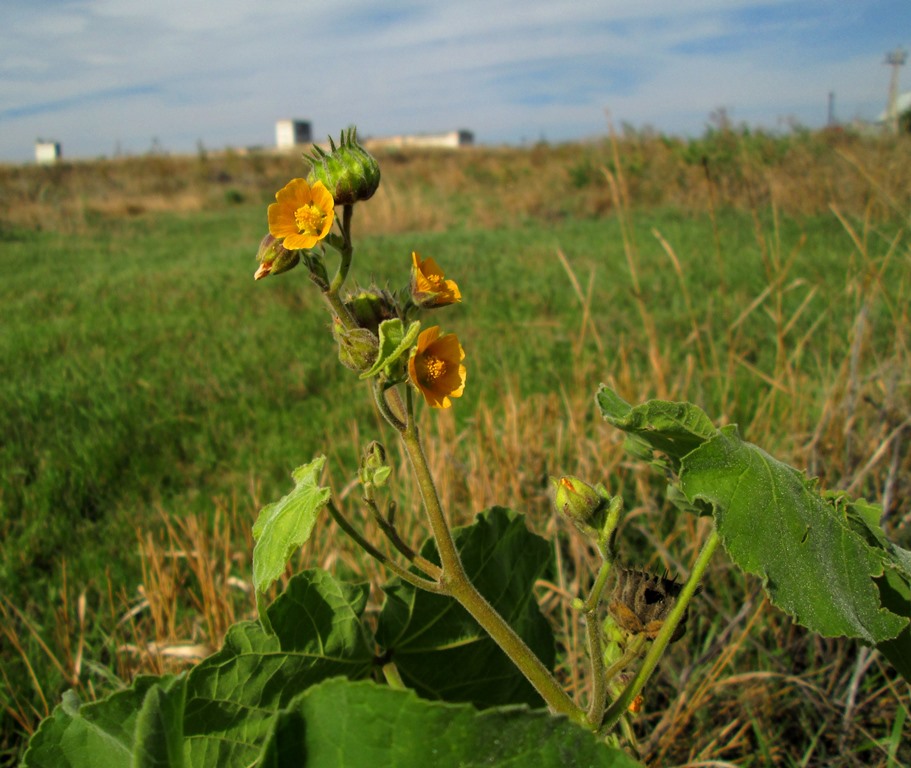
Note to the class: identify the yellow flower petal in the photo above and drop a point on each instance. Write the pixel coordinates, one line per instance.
(429, 288)
(436, 369)
(301, 216)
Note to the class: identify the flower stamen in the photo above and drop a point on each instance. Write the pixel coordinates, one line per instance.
(433, 368)
(301, 215)
(309, 219)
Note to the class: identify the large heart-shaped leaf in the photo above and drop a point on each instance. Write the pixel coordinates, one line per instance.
(438, 647)
(340, 724)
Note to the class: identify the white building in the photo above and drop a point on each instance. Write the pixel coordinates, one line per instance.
(291, 133)
(47, 152)
(451, 139)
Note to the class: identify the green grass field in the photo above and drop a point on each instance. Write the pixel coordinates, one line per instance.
(147, 378)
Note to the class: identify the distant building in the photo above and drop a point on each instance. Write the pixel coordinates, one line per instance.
(291, 133)
(452, 139)
(47, 152)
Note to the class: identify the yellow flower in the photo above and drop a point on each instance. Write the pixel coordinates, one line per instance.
(435, 367)
(302, 215)
(428, 287)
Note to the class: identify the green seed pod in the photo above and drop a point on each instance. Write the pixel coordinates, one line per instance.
(348, 171)
(642, 601)
(357, 347)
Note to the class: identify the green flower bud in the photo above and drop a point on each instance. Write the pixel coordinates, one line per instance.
(374, 469)
(371, 307)
(348, 171)
(274, 258)
(357, 347)
(583, 505)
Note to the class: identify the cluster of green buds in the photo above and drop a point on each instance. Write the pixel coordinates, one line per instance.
(348, 171)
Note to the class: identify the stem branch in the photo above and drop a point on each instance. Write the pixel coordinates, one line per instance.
(456, 583)
(403, 573)
(431, 569)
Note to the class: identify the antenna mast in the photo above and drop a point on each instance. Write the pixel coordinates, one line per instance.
(894, 59)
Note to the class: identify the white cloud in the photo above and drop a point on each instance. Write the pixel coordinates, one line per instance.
(94, 72)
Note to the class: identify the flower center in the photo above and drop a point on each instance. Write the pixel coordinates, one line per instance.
(433, 368)
(435, 280)
(309, 219)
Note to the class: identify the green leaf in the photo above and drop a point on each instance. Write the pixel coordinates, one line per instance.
(675, 429)
(339, 724)
(395, 341)
(77, 735)
(774, 523)
(440, 650)
(159, 727)
(221, 712)
(233, 695)
(285, 526)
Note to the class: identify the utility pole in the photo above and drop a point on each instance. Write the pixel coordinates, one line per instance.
(894, 59)
(831, 120)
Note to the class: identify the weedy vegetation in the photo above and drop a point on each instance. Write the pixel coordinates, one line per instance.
(155, 399)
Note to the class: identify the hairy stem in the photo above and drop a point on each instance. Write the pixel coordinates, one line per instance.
(347, 251)
(599, 678)
(457, 584)
(595, 647)
(431, 569)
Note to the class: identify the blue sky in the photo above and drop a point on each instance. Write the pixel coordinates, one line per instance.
(113, 75)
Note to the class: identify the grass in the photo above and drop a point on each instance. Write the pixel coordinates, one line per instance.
(160, 397)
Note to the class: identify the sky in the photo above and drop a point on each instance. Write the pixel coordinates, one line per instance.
(106, 77)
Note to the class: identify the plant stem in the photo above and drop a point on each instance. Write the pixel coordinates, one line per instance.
(457, 584)
(431, 569)
(393, 678)
(594, 598)
(346, 254)
(620, 705)
(633, 650)
(590, 608)
(403, 573)
(347, 251)
(595, 650)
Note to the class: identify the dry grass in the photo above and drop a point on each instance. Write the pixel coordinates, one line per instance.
(486, 186)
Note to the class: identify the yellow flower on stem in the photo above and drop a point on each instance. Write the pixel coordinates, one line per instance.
(429, 288)
(302, 215)
(435, 367)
